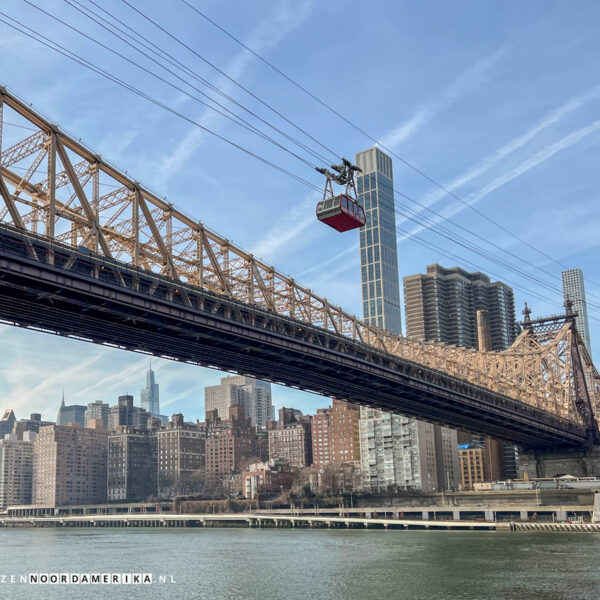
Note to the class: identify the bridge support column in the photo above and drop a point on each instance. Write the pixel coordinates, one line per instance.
(524, 515)
(596, 514)
(579, 463)
(456, 515)
(425, 515)
(561, 515)
(489, 515)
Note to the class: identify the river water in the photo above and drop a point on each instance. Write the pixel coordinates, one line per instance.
(232, 564)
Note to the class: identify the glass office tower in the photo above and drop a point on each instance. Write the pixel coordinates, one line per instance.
(378, 250)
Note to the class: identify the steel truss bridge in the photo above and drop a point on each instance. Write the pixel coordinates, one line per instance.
(127, 269)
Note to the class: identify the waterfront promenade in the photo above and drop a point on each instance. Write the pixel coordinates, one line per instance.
(285, 521)
(244, 520)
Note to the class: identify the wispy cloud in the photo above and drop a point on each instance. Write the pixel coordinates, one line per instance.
(535, 160)
(286, 17)
(466, 83)
(331, 261)
(120, 378)
(287, 228)
(551, 118)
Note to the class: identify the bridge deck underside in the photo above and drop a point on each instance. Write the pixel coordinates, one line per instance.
(56, 289)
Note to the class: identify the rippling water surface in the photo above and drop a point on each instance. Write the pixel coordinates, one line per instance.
(231, 564)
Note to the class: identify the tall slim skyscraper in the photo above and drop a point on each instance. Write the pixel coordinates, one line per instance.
(574, 289)
(378, 251)
(381, 307)
(149, 396)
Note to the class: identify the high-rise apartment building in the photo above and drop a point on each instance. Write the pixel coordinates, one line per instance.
(69, 466)
(291, 440)
(229, 443)
(441, 305)
(150, 396)
(378, 250)
(344, 439)
(335, 434)
(181, 453)
(16, 469)
(321, 436)
(72, 413)
(397, 452)
(574, 290)
(472, 466)
(132, 464)
(97, 411)
(254, 395)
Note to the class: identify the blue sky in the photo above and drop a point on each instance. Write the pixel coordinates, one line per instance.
(500, 102)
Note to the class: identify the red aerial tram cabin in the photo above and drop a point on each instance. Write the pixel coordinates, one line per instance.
(341, 212)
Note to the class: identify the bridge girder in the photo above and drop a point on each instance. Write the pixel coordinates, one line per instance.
(137, 227)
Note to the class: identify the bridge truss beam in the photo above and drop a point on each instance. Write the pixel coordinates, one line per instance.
(51, 185)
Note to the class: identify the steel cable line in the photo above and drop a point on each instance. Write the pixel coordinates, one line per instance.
(234, 81)
(241, 121)
(163, 55)
(420, 222)
(448, 232)
(91, 66)
(447, 254)
(375, 140)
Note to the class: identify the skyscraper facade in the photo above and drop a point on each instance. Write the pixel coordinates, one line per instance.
(441, 305)
(254, 395)
(378, 251)
(72, 413)
(574, 290)
(381, 289)
(149, 396)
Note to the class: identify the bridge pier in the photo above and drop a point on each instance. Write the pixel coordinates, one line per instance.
(596, 513)
(579, 463)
